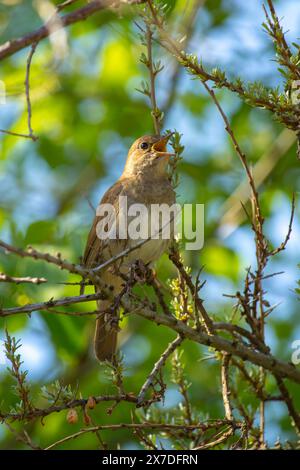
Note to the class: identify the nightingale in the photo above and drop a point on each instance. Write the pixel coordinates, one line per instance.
(144, 181)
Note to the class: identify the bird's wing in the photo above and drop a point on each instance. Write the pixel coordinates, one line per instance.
(95, 245)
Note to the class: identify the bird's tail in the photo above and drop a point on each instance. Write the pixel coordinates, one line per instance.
(106, 332)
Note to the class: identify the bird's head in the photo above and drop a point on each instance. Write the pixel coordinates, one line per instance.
(148, 154)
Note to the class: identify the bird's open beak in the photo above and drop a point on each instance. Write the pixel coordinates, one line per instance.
(160, 147)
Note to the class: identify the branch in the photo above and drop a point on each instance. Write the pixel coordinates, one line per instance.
(58, 22)
(57, 260)
(34, 413)
(283, 51)
(238, 330)
(27, 90)
(22, 389)
(175, 258)
(30, 134)
(51, 303)
(16, 134)
(224, 436)
(269, 362)
(289, 231)
(65, 4)
(225, 386)
(157, 368)
(159, 427)
(156, 113)
(20, 280)
(289, 402)
(254, 94)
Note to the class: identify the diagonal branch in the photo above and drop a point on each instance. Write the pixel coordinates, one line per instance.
(254, 95)
(6, 312)
(157, 368)
(269, 362)
(11, 47)
(21, 280)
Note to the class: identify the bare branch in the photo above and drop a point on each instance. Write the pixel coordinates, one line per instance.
(57, 260)
(175, 258)
(289, 231)
(27, 91)
(65, 4)
(157, 367)
(51, 303)
(20, 280)
(225, 386)
(158, 427)
(222, 437)
(15, 45)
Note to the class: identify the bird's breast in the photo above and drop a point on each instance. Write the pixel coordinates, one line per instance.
(146, 214)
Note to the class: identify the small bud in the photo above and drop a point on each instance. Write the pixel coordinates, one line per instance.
(86, 419)
(72, 416)
(91, 403)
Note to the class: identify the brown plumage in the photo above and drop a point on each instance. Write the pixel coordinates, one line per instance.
(144, 181)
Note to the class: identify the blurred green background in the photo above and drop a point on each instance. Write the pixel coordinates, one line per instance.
(86, 112)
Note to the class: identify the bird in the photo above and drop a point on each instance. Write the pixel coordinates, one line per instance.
(144, 180)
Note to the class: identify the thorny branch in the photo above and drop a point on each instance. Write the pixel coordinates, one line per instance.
(226, 387)
(254, 94)
(156, 114)
(151, 379)
(239, 348)
(20, 280)
(159, 427)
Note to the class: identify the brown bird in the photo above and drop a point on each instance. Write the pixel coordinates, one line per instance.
(144, 181)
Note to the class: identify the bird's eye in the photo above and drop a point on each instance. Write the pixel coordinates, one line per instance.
(144, 145)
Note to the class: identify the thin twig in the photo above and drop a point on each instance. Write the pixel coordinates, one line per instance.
(175, 258)
(27, 90)
(57, 260)
(159, 427)
(155, 112)
(5, 312)
(20, 280)
(157, 367)
(53, 25)
(294, 414)
(289, 231)
(226, 387)
(30, 134)
(222, 437)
